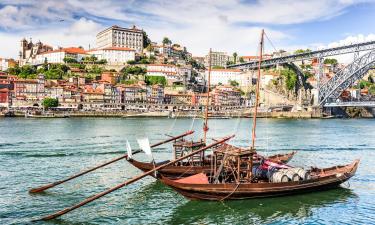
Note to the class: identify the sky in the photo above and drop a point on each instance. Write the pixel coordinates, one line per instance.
(223, 25)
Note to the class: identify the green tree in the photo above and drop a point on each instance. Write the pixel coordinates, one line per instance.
(102, 61)
(95, 69)
(330, 61)
(235, 57)
(131, 62)
(166, 41)
(151, 80)
(27, 71)
(218, 67)
(242, 60)
(290, 78)
(234, 83)
(134, 70)
(146, 39)
(14, 70)
(144, 61)
(50, 102)
(299, 51)
(69, 60)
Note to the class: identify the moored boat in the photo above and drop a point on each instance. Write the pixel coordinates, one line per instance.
(236, 175)
(185, 169)
(199, 187)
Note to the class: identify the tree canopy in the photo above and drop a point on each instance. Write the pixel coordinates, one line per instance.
(135, 70)
(151, 80)
(299, 51)
(50, 102)
(330, 61)
(166, 41)
(290, 78)
(234, 83)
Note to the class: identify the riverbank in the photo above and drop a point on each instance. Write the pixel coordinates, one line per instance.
(181, 114)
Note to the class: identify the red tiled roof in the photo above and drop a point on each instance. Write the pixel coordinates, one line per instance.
(71, 50)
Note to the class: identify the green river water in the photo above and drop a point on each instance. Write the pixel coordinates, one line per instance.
(38, 151)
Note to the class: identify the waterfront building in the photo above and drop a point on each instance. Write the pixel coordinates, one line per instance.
(4, 97)
(29, 91)
(116, 36)
(217, 59)
(178, 98)
(155, 94)
(134, 93)
(114, 55)
(226, 96)
(57, 56)
(201, 99)
(29, 51)
(92, 97)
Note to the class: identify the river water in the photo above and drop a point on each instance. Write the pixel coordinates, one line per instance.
(38, 151)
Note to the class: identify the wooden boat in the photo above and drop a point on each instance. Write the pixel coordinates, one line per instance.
(186, 169)
(236, 175)
(198, 187)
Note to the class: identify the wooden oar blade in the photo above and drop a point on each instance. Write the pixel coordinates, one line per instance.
(41, 188)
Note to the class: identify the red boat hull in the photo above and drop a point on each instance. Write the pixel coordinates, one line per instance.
(329, 178)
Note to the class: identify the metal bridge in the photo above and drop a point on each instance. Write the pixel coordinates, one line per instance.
(345, 78)
(364, 46)
(330, 91)
(352, 103)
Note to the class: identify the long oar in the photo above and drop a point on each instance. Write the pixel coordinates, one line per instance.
(45, 187)
(66, 210)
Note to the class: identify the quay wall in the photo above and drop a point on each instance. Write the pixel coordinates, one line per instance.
(185, 114)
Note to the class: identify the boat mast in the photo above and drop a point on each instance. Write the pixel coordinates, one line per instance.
(253, 136)
(205, 125)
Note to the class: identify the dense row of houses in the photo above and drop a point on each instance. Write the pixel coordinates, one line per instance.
(79, 93)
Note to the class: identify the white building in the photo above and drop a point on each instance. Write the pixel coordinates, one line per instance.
(114, 55)
(57, 56)
(116, 36)
(224, 76)
(171, 72)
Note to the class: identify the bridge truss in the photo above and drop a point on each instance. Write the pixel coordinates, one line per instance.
(346, 77)
(364, 46)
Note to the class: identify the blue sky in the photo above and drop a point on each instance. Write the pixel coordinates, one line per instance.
(224, 25)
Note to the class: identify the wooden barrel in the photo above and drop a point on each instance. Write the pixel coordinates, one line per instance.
(293, 176)
(303, 174)
(279, 177)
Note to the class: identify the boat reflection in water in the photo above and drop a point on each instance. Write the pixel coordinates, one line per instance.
(265, 210)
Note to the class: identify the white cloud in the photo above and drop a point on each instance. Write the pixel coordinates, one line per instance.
(84, 26)
(226, 25)
(80, 33)
(351, 39)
